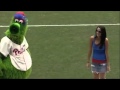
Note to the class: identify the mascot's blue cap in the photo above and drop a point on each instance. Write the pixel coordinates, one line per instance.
(20, 15)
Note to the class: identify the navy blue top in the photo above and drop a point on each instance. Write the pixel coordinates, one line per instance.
(98, 54)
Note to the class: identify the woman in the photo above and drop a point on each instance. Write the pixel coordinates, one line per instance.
(98, 48)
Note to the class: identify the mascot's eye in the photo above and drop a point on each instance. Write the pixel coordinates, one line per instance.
(21, 21)
(16, 20)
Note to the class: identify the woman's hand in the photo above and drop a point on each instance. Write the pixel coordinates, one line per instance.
(88, 65)
(108, 68)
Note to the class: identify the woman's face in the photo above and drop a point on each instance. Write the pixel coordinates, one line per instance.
(98, 32)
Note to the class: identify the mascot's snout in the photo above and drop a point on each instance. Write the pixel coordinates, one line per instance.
(14, 28)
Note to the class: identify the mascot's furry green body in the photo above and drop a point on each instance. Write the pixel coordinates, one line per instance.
(15, 58)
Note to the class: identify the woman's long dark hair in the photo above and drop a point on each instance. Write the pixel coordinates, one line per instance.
(103, 35)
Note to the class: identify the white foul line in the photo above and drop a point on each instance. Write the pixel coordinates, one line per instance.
(67, 25)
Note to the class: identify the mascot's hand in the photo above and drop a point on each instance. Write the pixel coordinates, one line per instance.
(1, 74)
(1, 64)
(28, 51)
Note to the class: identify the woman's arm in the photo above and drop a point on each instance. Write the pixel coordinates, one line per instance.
(90, 48)
(106, 51)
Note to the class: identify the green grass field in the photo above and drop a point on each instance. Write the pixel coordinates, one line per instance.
(61, 52)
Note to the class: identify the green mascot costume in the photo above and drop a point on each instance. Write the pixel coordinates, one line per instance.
(15, 57)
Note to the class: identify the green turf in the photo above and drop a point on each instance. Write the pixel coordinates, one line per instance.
(61, 52)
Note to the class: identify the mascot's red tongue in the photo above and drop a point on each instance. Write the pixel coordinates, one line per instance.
(20, 12)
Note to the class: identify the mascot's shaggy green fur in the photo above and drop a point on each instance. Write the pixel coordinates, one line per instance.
(15, 58)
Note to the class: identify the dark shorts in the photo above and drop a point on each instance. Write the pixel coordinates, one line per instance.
(99, 68)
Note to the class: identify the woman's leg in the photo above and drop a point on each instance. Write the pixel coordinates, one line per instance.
(102, 75)
(95, 75)
(103, 70)
(94, 69)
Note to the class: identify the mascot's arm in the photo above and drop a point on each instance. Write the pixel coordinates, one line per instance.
(28, 51)
(2, 57)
